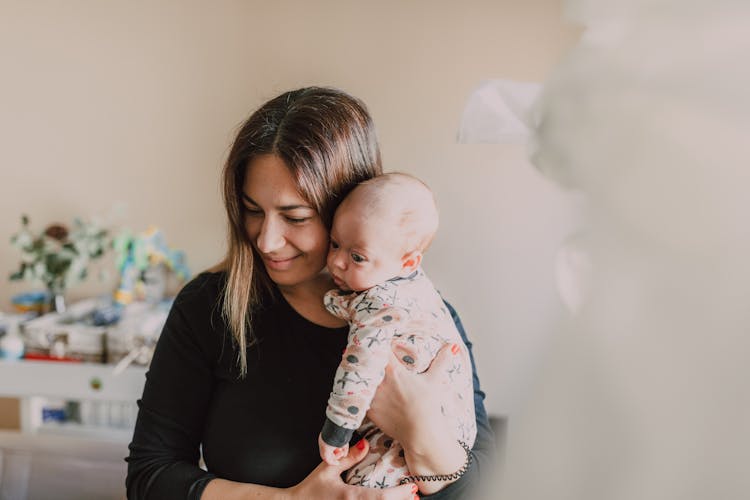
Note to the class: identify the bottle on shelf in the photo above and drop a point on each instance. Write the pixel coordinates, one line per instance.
(11, 344)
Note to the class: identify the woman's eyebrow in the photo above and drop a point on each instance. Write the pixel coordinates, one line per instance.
(282, 208)
(248, 199)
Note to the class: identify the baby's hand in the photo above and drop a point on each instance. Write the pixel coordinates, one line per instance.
(330, 454)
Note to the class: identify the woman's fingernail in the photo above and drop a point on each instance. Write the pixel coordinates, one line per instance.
(361, 444)
(416, 497)
(454, 348)
(414, 488)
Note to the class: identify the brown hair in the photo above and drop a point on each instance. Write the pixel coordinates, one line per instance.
(327, 140)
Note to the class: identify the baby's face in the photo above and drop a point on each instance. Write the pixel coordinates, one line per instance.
(364, 250)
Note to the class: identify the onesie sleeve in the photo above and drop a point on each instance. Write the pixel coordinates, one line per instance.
(483, 451)
(338, 302)
(164, 453)
(362, 367)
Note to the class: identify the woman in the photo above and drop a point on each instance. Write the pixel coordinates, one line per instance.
(243, 367)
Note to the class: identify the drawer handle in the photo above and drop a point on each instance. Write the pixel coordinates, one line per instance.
(95, 383)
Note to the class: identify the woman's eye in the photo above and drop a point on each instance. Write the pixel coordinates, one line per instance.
(297, 220)
(253, 212)
(357, 258)
(334, 245)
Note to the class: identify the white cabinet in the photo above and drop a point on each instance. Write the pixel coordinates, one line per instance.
(106, 403)
(76, 460)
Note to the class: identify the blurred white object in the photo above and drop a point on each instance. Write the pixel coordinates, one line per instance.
(498, 111)
(573, 272)
(137, 332)
(644, 394)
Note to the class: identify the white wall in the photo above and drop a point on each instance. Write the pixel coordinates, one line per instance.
(136, 102)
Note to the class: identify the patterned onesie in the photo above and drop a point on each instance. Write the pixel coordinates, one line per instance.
(405, 316)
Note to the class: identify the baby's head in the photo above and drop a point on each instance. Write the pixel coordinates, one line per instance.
(381, 230)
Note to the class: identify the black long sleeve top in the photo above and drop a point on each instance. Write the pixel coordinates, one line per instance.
(259, 429)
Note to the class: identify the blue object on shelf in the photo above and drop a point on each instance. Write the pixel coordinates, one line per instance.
(30, 301)
(53, 414)
(107, 315)
(30, 297)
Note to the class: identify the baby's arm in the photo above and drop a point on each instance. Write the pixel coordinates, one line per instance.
(361, 369)
(331, 454)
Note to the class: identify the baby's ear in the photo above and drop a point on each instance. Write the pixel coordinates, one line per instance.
(410, 262)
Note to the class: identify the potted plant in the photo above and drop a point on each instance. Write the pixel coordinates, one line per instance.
(58, 257)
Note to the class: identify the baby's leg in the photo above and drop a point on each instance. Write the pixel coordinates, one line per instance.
(384, 465)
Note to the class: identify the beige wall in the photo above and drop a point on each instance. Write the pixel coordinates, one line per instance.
(136, 102)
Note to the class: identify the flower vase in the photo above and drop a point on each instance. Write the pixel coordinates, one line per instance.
(59, 303)
(57, 300)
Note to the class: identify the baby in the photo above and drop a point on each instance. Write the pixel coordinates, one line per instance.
(380, 232)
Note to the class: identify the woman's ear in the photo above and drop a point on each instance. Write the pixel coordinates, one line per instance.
(410, 262)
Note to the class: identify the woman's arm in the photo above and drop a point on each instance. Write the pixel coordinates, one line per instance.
(483, 451)
(164, 453)
(407, 407)
(322, 483)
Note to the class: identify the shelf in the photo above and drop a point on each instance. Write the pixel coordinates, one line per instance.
(99, 433)
(74, 381)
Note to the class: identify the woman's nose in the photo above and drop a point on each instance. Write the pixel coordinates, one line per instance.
(270, 237)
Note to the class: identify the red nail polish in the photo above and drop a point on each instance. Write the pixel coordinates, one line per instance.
(414, 488)
(416, 497)
(454, 348)
(361, 444)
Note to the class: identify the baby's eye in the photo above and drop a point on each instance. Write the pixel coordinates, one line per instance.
(357, 258)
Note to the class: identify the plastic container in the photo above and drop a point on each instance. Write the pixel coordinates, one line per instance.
(11, 344)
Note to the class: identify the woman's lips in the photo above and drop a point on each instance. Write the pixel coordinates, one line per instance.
(277, 264)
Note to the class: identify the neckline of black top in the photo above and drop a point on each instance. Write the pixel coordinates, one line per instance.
(286, 307)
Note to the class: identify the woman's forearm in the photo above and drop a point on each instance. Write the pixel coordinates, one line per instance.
(324, 482)
(221, 489)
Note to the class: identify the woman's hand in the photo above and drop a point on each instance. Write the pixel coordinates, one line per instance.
(325, 482)
(407, 407)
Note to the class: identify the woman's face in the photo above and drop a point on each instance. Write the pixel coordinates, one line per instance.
(284, 228)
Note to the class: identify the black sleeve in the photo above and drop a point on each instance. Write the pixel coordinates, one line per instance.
(484, 446)
(335, 435)
(164, 453)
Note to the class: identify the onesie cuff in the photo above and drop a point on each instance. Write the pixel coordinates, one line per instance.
(335, 435)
